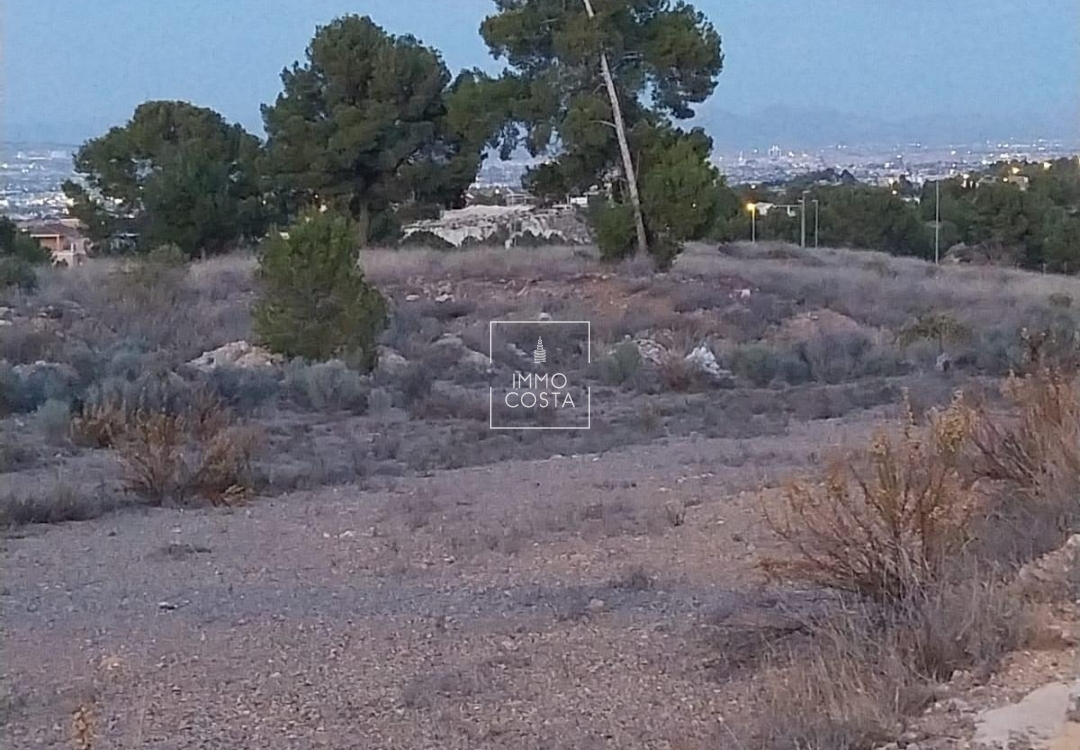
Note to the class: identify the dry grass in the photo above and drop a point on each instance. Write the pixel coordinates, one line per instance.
(884, 524)
(549, 263)
(58, 501)
(879, 289)
(864, 672)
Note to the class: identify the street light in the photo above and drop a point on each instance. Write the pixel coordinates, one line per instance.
(802, 202)
(937, 222)
(752, 208)
(817, 206)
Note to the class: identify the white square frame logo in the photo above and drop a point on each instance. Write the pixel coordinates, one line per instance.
(491, 361)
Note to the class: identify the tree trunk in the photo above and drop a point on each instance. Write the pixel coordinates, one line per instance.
(363, 224)
(624, 146)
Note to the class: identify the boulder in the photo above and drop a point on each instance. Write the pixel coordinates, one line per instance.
(391, 361)
(476, 359)
(651, 351)
(239, 354)
(703, 360)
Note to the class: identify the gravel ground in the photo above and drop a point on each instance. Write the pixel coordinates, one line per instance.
(544, 604)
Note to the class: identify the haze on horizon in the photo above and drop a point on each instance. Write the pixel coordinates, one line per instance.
(833, 70)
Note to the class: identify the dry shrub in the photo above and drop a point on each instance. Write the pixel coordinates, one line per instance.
(862, 672)
(884, 524)
(1034, 454)
(679, 375)
(98, 424)
(200, 451)
(1039, 450)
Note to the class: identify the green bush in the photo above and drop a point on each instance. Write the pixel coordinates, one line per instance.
(19, 254)
(621, 365)
(17, 273)
(761, 364)
(315, 302)
(327, 386)
(54, 420)
(612, 227)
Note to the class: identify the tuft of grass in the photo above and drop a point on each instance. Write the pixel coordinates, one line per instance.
(854, 679)
(59, 503)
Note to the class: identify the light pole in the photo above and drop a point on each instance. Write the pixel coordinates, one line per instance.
(817, 207)
(937, 222)
(802, 203)
(752, 208)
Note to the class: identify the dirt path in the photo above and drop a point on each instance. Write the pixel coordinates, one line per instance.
(541, 604)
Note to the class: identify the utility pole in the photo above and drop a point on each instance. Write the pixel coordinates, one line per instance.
(752, 208)
(817, 207)
(624, 145)
(937, 222)
(802, 242)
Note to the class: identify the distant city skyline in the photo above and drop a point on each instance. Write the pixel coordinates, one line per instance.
(804, 74)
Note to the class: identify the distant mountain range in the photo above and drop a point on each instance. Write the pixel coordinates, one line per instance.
(786, 126)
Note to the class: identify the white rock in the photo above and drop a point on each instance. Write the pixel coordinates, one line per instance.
(236, 354)
(450, 340)
(704, 360)
(390, 360)
(476, 359)
(651, 351)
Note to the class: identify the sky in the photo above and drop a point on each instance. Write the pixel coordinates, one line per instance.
(73, 68)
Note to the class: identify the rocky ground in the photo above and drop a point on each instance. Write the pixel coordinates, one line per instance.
(556, 603)
(404, 578)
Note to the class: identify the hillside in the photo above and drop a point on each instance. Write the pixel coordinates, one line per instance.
(385, 570)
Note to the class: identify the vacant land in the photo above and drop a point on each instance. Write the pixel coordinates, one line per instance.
(382, 570)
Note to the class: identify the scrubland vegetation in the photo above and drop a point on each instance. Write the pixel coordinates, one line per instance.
(908, 544)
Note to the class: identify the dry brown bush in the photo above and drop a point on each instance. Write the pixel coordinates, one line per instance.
(679, 375)
(200, 451)
(184, 456)
(886, 523)
(97, 425)
(1038, 450)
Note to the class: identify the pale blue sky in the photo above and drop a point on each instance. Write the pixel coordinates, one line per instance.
(71, 68)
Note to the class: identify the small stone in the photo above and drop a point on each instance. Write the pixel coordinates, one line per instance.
(597, 605)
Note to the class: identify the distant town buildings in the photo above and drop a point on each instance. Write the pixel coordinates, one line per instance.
(31, 178)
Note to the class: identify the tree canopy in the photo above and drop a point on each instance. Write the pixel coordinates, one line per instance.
(19, 253)
(174, 174)
(315, 301)
(664, 57)
(371, 124)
